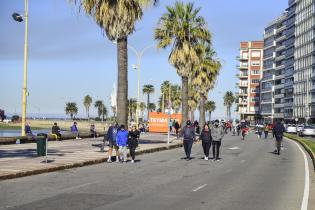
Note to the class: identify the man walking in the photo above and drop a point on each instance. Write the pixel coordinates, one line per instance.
(189, 136)
(278, 132)
(111, 138)
(217, 133)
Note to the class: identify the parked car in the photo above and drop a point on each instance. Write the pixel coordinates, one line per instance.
(291, 128)
(307, 131)
(300, 128)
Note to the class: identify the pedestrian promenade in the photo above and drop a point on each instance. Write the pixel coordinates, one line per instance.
(21, 159)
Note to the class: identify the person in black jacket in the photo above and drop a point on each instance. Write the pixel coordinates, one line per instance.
(278, 132)
(133, 138)
(206, 139)
(56, 130)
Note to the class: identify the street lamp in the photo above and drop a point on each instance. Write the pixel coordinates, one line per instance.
(19, 18)
(136, 66)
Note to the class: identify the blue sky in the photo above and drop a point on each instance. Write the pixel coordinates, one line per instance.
(69, 57)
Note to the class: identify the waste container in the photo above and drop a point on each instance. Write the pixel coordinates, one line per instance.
(41, 144)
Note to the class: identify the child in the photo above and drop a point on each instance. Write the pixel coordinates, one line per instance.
(122, 138)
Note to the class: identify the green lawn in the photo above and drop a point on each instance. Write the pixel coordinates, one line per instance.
(5, 126)
(309, 143)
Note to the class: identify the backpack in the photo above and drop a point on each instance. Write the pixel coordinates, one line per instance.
(188, 133)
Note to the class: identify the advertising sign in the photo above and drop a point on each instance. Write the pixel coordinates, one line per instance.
(158, 121)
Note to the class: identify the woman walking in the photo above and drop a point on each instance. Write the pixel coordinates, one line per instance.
(206, 139)
(133, 138)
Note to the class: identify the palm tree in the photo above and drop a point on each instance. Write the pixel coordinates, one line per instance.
(182, 28)
(193, 99)
(176, 97)
(87, 101)
(210, 107)
(229, 99)
(104, 112)
(142, 107)
(100, 108)
(204, 76)
(148, 89)
(72, 109)
(132, 106)
(151, 107)
(118, 18)
(165, 89)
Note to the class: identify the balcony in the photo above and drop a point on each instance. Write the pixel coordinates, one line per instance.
(266, 89)
(279, 95)
(243, 84)
(281, 38)
(241, 58)
(243, 94)
(242, 66)
(282, 28)
(281, 76)
(267, 77)
(279, 86)
(282, 66)
(242, 76)
(279, 58)
(288, 84)
(280, 47)
(278, 106)
(278, 115)
(288, 104)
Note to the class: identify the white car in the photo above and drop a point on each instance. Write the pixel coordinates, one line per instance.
(307, 131)
(6, 120)
(291, 128)
(300, 128)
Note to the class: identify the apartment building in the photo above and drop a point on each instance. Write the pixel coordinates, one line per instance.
(250, 73)
(273, 76)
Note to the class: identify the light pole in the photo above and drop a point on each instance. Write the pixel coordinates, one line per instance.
(139, 55)
(19, 18)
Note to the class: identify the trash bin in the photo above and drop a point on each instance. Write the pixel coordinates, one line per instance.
(41, 144)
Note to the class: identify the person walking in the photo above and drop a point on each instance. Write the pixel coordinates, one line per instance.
(176, 126)
(133, 141)
(259, 129)
(122, 142)
(266, 130)
(111, 137)
(188, 133)
(217, 134)
(206, 140)
(279, 129)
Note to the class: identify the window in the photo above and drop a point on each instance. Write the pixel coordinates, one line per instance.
(255, 99)
(256, 72)
(255, 63)
(254, 90)
(255, 81)
(256, 54)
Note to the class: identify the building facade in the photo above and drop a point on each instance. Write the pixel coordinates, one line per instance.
(273, 76)
(250, 73)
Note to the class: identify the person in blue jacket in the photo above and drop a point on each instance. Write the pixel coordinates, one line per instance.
(122, 142)
(74, 130)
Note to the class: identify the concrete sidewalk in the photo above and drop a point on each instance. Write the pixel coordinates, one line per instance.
(21, 159)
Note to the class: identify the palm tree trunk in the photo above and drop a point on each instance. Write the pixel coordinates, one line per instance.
(184, 100)
(229, 112)
(88, 113)
(192, 115)
(209, 116)
(202, 112)
(148, 102)
(122, 90)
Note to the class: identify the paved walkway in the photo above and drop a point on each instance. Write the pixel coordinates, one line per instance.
(21, 160)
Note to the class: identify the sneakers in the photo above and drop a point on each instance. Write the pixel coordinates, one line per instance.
(117, 160)
(132, 161)
(206, 158)
(109, 160)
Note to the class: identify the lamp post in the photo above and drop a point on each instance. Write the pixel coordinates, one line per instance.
(19, 18)
(139, 55)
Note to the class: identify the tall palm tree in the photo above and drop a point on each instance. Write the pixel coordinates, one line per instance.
(148, 89)
(193, 99)
(72, 109)
(152, 107)
(228, 99)
(87, 101)
(176, 97)
(132, 106)
(118, 18)
(210, 107)
(204, 76)
(182, 28)
(142, 107)
(99, 105)
(165, 90)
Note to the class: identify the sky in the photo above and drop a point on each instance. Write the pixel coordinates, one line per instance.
(70, 57)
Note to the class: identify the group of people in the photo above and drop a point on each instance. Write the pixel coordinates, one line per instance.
(210, 135)
(119, 139)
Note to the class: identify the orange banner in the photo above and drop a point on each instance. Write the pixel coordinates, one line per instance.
(158, 121)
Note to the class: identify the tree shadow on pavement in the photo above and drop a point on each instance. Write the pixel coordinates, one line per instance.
(29, 153)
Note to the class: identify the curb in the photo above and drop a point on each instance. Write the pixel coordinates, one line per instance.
(81, 164)
(309, 151)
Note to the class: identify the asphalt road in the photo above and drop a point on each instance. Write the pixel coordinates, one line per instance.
(249, 177)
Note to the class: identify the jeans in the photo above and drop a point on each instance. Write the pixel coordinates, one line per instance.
(206, 147)
(132, 151)
(123, 153)
(187, 147)
(266, 134)
(216, 149)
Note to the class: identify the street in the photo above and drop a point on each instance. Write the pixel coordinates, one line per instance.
(249, 176)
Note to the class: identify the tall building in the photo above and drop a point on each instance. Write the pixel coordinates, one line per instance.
(289, 62)
(273, 77)
(250, 73)
(304, 59)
